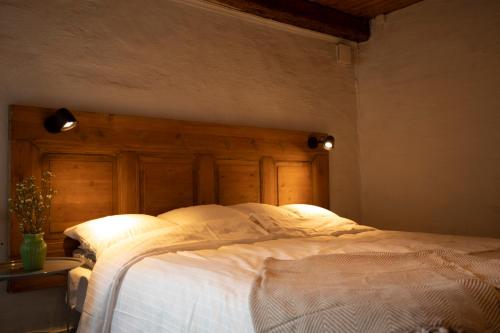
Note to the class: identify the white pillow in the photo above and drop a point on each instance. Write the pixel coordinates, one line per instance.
(214, 222)
(266, 215)
(309, 211)
(296, 220)
(260, 208)
(99, 234)
(316, 212)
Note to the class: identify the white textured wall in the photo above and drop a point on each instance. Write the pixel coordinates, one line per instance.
(168, 59)
(429, 118)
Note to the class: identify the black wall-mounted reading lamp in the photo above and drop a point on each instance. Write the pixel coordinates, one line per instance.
(61, 121)
(327, 142)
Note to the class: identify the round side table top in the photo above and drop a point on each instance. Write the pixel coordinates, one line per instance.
(53, 265)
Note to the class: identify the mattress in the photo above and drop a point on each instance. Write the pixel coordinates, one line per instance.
(78, 280)
(207, 289)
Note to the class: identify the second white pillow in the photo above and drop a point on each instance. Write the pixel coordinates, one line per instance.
(214, 222)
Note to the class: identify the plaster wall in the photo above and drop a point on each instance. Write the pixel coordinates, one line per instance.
(429, 120)
(170, 59)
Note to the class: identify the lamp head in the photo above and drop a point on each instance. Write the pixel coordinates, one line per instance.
(327, 142)
(61, 121)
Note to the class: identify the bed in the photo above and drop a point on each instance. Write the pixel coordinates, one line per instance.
(184, 280)
(194, 225)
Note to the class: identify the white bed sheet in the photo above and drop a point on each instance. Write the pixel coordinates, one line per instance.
(78, 281)
(207, 290)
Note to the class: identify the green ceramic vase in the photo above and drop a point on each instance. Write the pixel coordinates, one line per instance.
(33, 251)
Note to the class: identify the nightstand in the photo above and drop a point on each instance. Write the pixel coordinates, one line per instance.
(52, 266)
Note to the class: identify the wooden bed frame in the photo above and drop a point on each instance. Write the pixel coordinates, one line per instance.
(114, 164)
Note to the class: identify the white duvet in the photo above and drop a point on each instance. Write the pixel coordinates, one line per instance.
(174, 283)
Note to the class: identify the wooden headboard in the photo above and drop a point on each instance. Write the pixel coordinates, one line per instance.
(113, 164)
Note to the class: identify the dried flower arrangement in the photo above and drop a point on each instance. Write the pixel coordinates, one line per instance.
(31, 204)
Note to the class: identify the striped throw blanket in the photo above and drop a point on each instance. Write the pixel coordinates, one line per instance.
(427, 291)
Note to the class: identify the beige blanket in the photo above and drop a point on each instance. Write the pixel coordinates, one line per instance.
(378, 292)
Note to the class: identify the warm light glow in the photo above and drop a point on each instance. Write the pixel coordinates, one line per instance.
(328, 145)
(112, 226)
(68, 125)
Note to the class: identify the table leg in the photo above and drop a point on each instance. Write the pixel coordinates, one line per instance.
(68, 306)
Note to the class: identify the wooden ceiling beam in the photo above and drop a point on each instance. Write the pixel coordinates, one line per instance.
(305, 14)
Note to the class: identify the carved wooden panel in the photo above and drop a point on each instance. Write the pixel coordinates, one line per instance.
(205, 180)
(294, 183)
(123, 164)
(268, 181)
(320, 181)
(166, 183)
(85, 189)
(25, 161)
(128, 183)
(238, 181)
